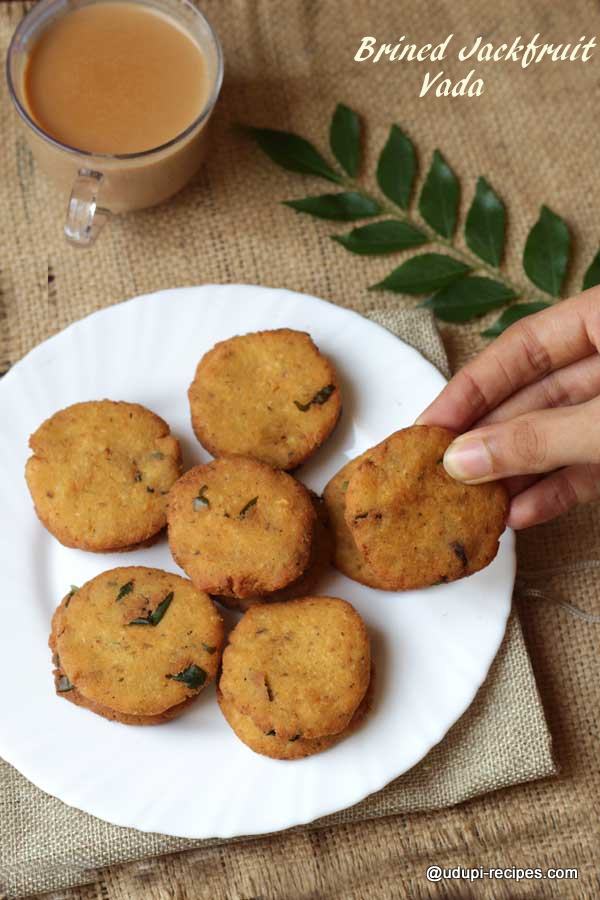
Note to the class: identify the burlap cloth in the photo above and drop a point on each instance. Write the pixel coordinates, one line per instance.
(288, 64)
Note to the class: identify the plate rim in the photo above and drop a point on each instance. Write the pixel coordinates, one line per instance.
(106, 310)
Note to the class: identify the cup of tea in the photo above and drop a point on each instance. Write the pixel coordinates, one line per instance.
(115, 97)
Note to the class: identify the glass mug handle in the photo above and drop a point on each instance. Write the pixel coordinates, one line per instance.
(85, 217)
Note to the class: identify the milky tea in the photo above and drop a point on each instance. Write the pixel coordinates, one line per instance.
(117, 95)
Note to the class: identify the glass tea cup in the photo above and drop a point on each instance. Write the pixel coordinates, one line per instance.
(100, 184)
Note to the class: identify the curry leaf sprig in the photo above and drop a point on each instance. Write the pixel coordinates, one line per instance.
(460, 285)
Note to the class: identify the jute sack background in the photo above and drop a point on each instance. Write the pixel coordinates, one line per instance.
(288, 64)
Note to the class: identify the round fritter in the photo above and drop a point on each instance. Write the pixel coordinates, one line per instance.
(346, 557)
(297, 747)
(415, 525)
(270, 395)
(298, 668)
(100, 474)
(135, 644)
(320, 557)
(240, 528)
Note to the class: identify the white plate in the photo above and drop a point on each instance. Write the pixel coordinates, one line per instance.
(193, 777)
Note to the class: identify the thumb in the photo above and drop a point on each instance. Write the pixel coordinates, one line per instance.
(530, 444)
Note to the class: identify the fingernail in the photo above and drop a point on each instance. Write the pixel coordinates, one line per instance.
(468, 459)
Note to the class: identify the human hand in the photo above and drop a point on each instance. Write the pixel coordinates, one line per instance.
(531, 402)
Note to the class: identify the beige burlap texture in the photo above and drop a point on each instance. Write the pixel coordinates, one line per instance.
(288, 64)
